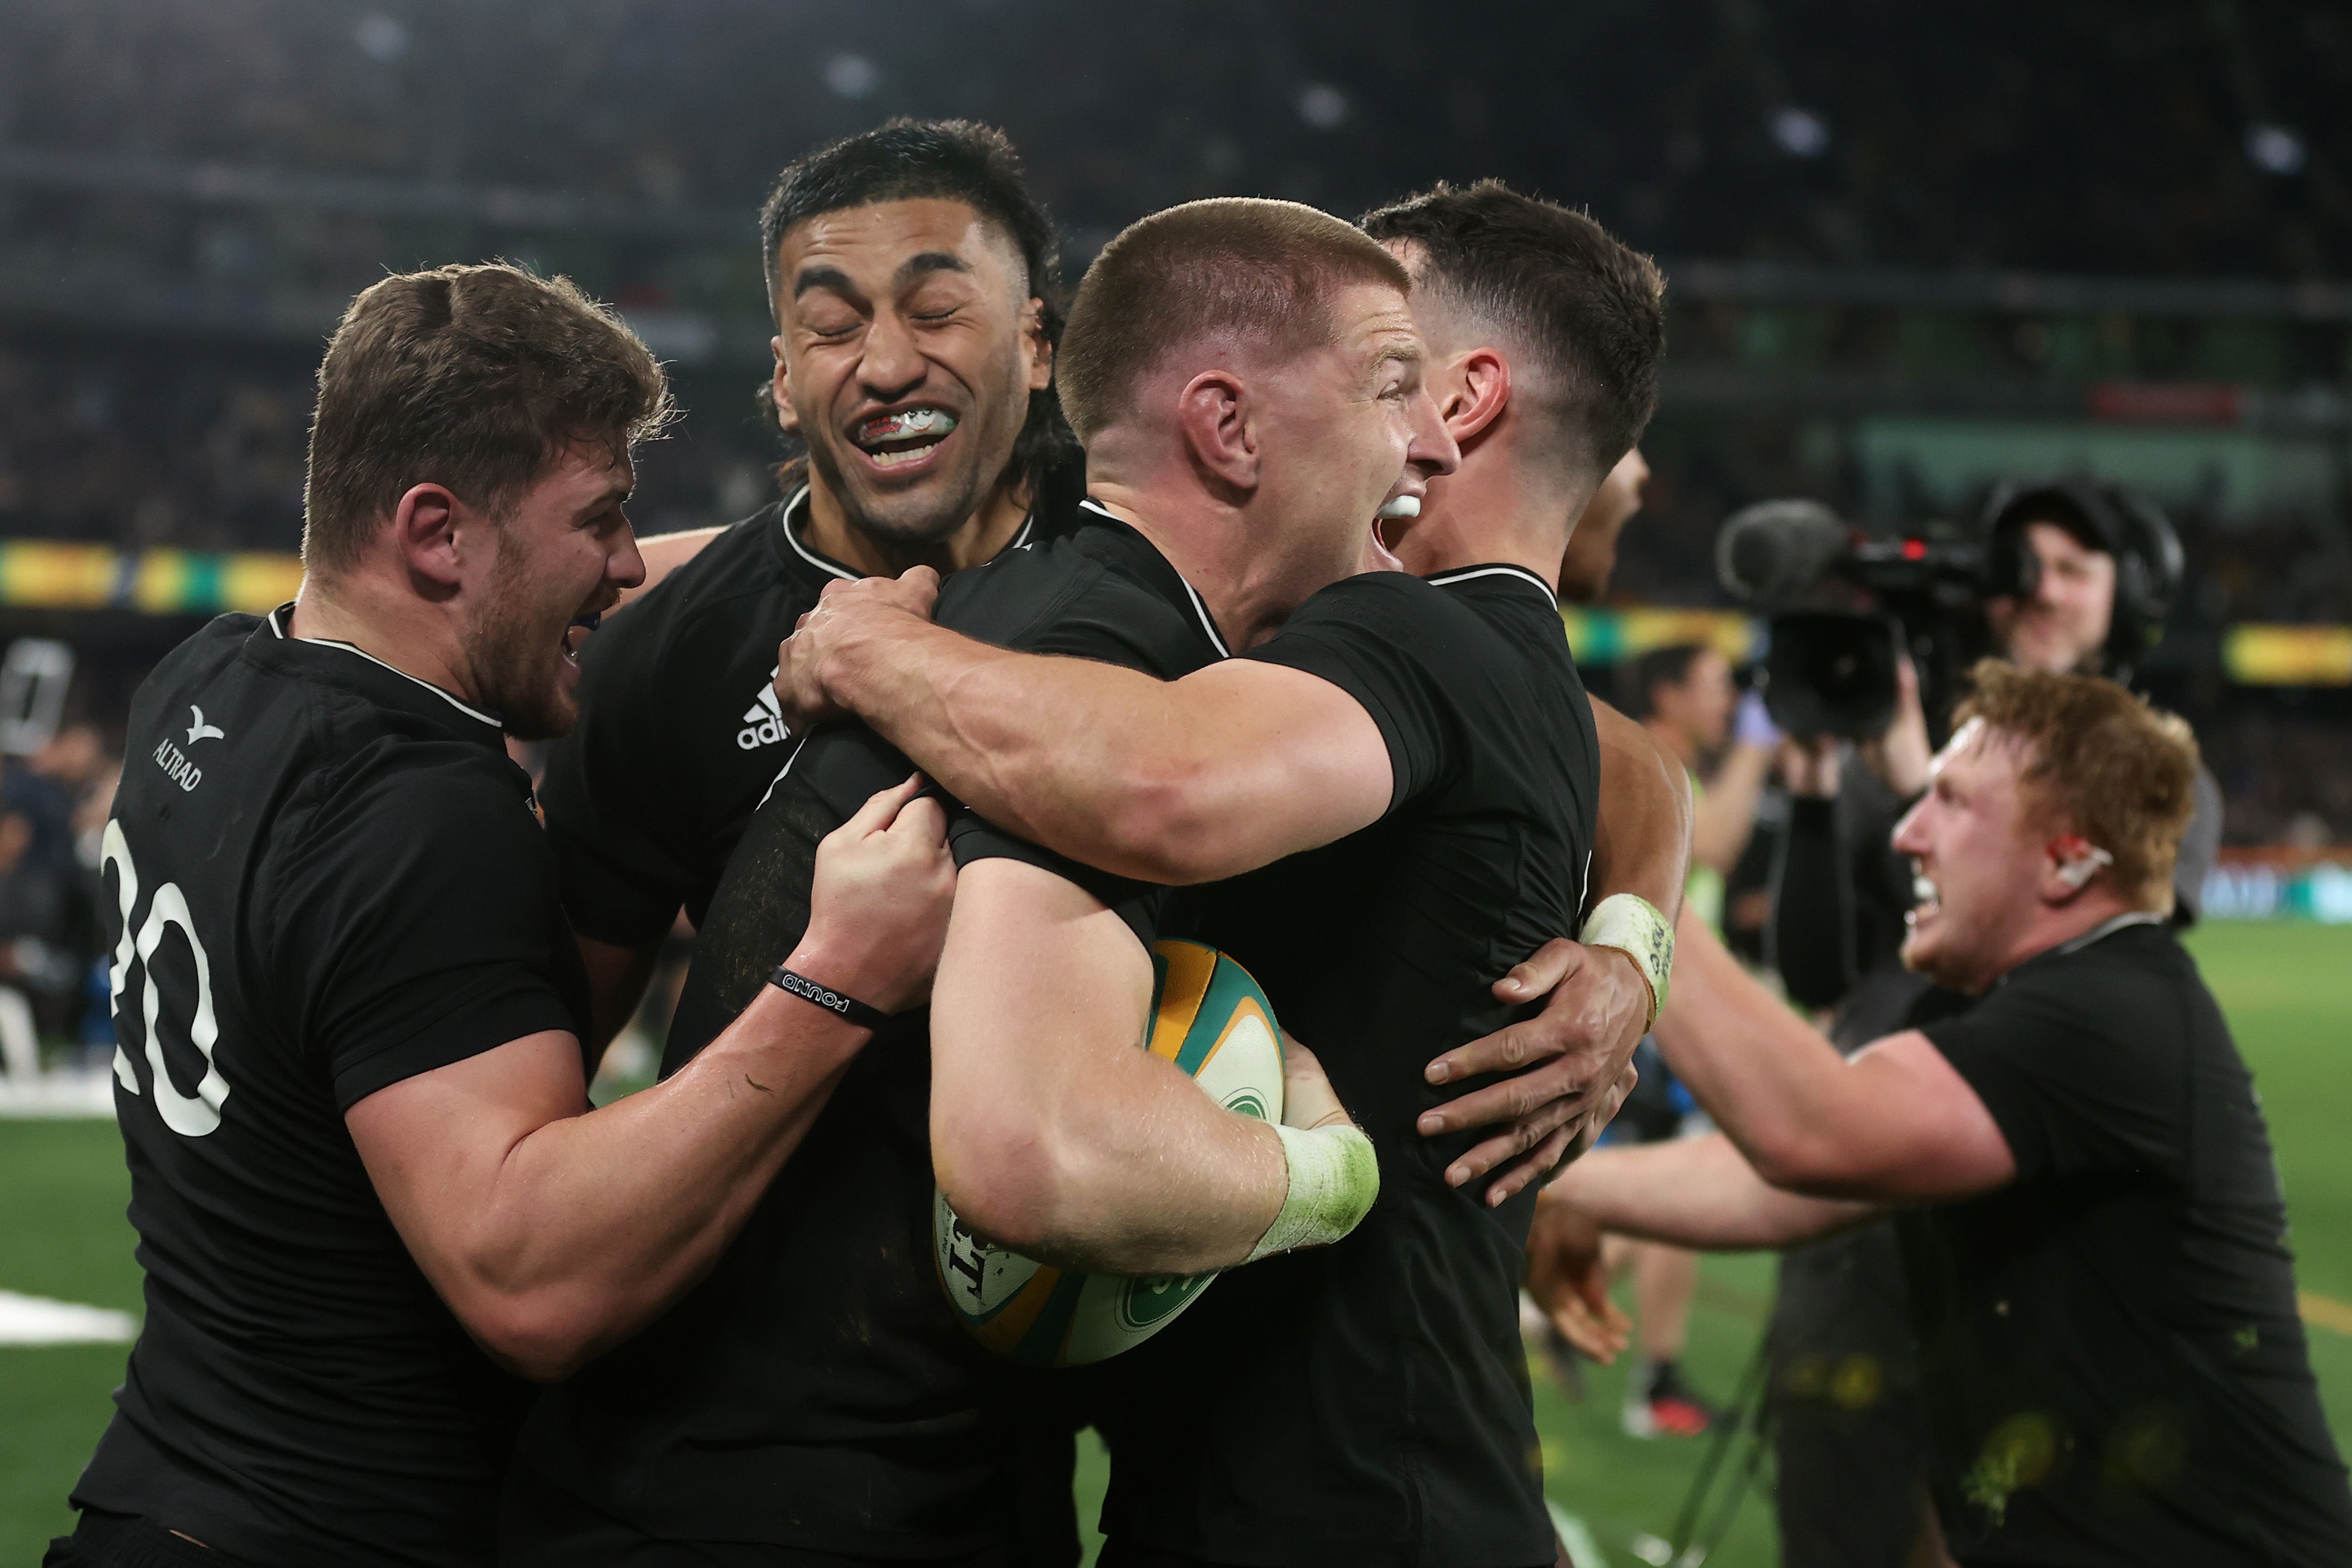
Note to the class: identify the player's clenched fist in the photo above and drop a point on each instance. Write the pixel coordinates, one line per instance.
(878, 911)
(846, 612)
(1308, 1101)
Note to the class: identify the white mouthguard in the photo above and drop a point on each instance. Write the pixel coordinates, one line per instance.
(1401, 506)
(913, 421)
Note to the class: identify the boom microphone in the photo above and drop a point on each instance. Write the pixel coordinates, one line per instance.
(1775, 550)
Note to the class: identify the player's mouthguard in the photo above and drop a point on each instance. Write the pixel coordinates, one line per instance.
(913, 424)
(594, 619)
(1924, 894)
(1399, 506)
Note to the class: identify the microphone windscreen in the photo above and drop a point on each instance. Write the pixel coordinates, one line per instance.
(1775, 550)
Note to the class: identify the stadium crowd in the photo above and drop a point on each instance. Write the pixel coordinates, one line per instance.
(418, 955)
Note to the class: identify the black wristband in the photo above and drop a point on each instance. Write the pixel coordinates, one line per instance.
(832, 1001)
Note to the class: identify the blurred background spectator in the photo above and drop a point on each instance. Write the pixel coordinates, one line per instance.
(1907, 262)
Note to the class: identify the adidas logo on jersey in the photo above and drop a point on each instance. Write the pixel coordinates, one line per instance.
(763, 721)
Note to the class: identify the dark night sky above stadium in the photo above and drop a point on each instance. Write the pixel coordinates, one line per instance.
(2123, 136)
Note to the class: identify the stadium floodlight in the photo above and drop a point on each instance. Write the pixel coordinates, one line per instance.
(1322, 106)
(852, 76)
(380, 38)
(1800, 132)
(2275, 150)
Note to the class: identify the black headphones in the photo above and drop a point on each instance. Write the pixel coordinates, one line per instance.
(2106, 516)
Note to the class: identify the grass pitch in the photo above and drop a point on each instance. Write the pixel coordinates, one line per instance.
(2287, 988)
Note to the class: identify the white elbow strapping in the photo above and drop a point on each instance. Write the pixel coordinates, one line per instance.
(1334, 1177)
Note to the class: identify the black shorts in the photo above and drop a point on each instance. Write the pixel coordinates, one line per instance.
(542, 1525)
(119, 1540)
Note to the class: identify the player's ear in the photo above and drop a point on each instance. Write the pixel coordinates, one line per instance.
(1041, 348)
(1213, 419)
(425, 525)
(1476, 390)
(2069, 863)
(786, 419)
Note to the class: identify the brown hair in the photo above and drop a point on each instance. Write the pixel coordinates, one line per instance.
(1231, 264)
(2121, 773)
(477, 377)
(1587, 310)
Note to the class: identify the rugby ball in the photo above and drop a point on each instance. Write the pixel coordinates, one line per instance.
(1208, 1018)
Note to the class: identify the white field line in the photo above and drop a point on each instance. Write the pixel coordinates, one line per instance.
(36, 1320)
(58, 1095)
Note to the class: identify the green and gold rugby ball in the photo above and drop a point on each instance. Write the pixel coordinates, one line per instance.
(1208, 1018)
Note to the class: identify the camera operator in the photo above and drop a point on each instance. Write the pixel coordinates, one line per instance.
(2089, 572)
(2111, 1363)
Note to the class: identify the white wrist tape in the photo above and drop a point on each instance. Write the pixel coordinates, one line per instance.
(1632, 926)
(1334, 1177)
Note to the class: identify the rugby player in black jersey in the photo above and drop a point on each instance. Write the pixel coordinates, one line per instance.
(816, 1398)
(1367, 1402)
(350, 1077)
(911, 274)
(2112, 1365)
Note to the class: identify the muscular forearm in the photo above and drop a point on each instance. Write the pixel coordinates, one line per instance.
(1697, 1193)
(1174, 782)
(1053, 1132)
(1777, 1087)
(583, 1230)
(1642, 839)
(1135, 1172)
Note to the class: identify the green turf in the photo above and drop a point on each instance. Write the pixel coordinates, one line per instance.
(2288, 989)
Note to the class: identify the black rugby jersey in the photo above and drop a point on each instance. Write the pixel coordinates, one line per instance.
(680, 733)
(817, 1392)
(2112, 1365)
(1367, 1402)
(326, 877)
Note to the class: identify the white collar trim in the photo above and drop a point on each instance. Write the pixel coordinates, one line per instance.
(792, 537)
(1445, 579)
(474, 713)
(1208, 626)
(2109, 928)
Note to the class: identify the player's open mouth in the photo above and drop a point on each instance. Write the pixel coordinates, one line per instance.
(1925, 901)
(1395, 515)
(575, 636)
(902, 439)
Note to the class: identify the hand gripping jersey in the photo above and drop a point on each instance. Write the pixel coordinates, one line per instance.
(679, 736)
(325, 877)
(816, 1393)
(1367, 1402)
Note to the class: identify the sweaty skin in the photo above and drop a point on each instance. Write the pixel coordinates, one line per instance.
(550, 1230)
(1812, 1142)
(1242, 763)
(916, 310)
(1256, 473)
